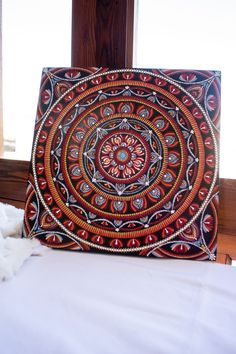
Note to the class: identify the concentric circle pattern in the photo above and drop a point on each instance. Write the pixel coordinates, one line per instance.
(126, 161)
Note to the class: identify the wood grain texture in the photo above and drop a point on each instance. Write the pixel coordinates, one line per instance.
(223, 258)
(13, 179)
(227, 209)
(16, 203)
(102, 33)
(227, 246)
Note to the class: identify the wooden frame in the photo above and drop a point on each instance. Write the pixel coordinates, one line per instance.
(102, 33)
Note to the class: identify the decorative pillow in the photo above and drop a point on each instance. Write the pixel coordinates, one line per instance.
(126, 162)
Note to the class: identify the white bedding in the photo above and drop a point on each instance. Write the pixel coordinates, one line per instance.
(14, 250)
(78, 303)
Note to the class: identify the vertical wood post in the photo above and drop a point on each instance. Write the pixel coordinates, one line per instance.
(102, 33)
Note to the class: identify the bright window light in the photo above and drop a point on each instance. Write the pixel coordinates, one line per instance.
(35, 34)
(187, 34)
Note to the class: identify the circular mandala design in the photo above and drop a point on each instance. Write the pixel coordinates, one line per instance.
(123, 156)
(124, 161)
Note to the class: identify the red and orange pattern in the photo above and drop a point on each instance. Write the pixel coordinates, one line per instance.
(126, 161)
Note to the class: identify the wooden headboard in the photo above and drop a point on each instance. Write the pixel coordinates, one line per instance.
(13, 179)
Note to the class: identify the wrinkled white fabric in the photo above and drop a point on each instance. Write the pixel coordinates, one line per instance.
(13, 250)
(72, 303)
(11, 219)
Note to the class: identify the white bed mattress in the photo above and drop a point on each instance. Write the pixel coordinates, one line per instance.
(77, 303)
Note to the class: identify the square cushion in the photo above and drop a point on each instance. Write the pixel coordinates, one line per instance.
(126, 161)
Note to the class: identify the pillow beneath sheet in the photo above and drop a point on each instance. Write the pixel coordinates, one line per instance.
(126, 162)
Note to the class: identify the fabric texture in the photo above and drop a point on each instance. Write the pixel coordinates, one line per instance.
(126, 161)
(69, 303)
(13, 249)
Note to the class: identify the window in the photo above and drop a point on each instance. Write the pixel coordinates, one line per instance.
(169, 34)
(185, 34)
(35, 34)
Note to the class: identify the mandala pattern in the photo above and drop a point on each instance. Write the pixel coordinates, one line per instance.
(126, 161)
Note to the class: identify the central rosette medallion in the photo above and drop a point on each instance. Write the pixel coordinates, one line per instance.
(122, 155)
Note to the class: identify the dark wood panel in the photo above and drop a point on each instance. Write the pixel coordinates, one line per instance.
(223, 258)
(227, 207)
(15, 203)
(227, 246)
(102, 33)
(13, 178)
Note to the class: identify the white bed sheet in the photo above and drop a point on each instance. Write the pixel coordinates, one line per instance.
(80, 303)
